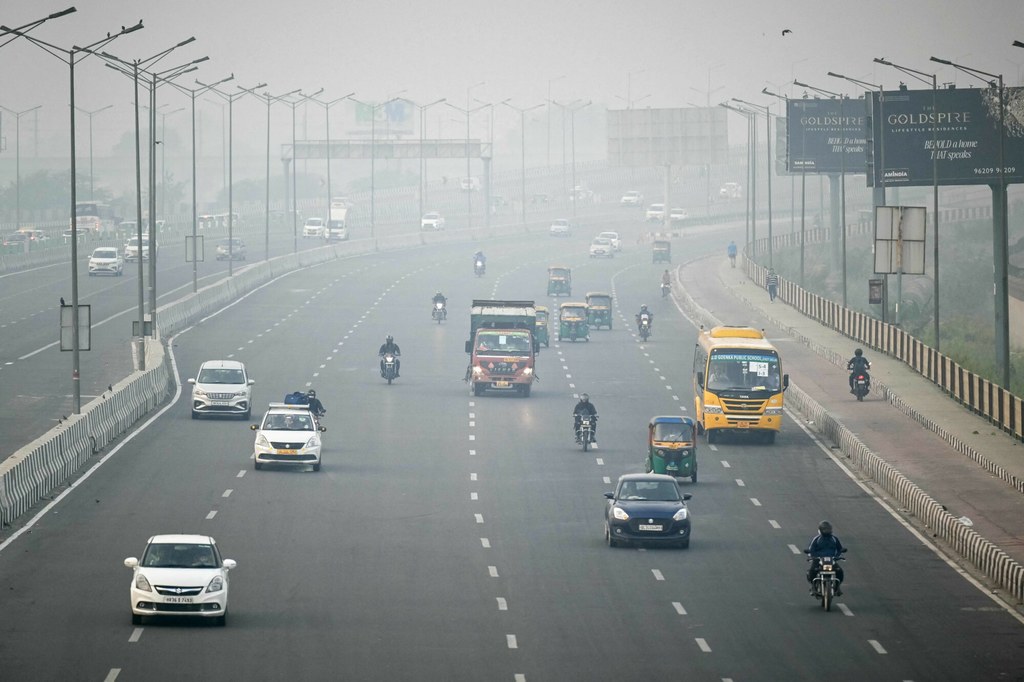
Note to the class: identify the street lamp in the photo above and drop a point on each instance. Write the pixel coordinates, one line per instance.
(90, 114)
(68, 56)
(469, 189)
(163, 157)
(572, 108)
(326, 104)
(709, 91)
(768, 134)
(1001, 236)
(373, 157)
(522, 148)
(422, 123)
(923, 77)
(487, 161)
(792, 191)
(17, 159)
(270, 99)
(629, 87)
(751, 228)
(548, 100)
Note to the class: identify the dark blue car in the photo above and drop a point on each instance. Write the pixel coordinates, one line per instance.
(647, 508)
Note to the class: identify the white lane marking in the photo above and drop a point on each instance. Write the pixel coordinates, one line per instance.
(112, 675)
(702, 643)
(607, 480)
(568, 376)
(472, 452)
(472, 437)
(657, 574)
(511, 639)
(479, 518)
(472, 415)
(572, 385)
(675, 398)
(775, 524)
(485, 543)
(657, 370)
(227, 493)
(241, 473)
(493, 571)
(679, 608)
(756, 502)
(136, 634)
(472, 477)
(211, 515)
(661, 378)
(600, 462)
(794, 549)
(502, 604)
(845, 609)
(473, 497)
(322, 366)
(877, 646)
(472, 423)
(472, 404)
(713, 447)
(668, 388)
(740, 483)
(726, 465)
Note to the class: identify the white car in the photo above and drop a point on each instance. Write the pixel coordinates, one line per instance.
(731, 190)
(560, 227)
(180, 575)
(131, 248)
(432, 221)
(655, 213)
(222, 387)
(106, 260)
(632, 198)
(678, 215)
(613, 237)
(471, 184)
(601, 247)
(288, 434)
(313, 227)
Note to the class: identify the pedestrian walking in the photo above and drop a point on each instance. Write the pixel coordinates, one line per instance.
(772, 282)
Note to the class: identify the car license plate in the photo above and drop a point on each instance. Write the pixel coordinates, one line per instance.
(742, 425)
(219, 402)
(648, 526)
(178, 600)
(501, 384)
(287, 452)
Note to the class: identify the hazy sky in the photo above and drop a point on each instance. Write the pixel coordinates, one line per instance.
(436, 48)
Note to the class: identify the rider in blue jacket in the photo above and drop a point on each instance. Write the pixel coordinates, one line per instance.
(824, 544)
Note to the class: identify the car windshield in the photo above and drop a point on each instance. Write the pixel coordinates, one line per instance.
(673, 433)
(560, 223)
(652, 491)
(314, 222)
(504, 343)
(104, 253)
(750, 370)
(601, 241)
(609, 235)
(180, 555)
(431, 216)
(288, 422)
(220, 375)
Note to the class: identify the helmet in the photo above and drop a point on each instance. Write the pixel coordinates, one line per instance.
(643, 307)
(389, 339)
(825, 528)
(858, 352)
(311, 393)
(585, 397)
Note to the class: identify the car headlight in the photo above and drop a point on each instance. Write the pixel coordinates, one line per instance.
(477, 369)
(620, 514)
(262, 442)
(216, 585)
(141, 583)
(776, 411)
(713, 409)
(197, 393)
(681, 514)
(240, 394)
(528, 371)
(313, 442)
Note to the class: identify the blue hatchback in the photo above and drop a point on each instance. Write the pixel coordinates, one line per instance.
(647, 508)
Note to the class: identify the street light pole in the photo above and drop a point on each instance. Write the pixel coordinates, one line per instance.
(163, 158)
(422, 185)
(751, 117)
(17, 159)
(522, 149)
(572, 108)
(326, 104)
(469, 189)
(90, 114)
(768, 141)
(548, 100)
(270, 99)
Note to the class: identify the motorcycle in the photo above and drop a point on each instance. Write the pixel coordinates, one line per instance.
(644, 328)
(666, 289)
(826, 582)
(389, 370)
(861, 384)
(439, 312)
(479, 268)
(586, 432)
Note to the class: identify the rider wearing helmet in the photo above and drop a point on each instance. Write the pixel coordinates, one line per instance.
(585, 407)
(858, 364)
(824, 544)
(315, 406)
(389, 346)
(644, 312)
(439, 298)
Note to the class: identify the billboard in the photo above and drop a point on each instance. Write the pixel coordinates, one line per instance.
(393, 117)
(693, 136)
(958, 129)
(826, 135)
(781, 147)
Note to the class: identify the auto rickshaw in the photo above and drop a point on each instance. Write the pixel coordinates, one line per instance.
(572, 322)
(672, 447)
(599, 309)
(662, 251)
(559, 281)
(542, 326)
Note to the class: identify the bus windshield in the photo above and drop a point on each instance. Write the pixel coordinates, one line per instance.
(744, 370)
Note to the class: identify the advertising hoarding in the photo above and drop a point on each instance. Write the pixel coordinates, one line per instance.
(965, 126)
(826, 135)
(694, 136)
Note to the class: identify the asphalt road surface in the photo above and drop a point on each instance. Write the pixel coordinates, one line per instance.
(452, 537)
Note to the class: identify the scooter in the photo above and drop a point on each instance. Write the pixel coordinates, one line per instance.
(666, 289)
(826, 582)
(479, 268)
(439, 312)
(861, 385)
(390, 369)
(586, 437)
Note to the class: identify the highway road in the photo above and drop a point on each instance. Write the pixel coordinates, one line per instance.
(452, 537)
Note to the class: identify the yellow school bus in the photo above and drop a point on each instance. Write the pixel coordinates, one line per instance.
(737, 383)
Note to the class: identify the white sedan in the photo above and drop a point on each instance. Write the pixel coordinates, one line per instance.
(560, 227)
(180, 575)
(601, 247)
(288, 434)
(613, 237)
(432, 221)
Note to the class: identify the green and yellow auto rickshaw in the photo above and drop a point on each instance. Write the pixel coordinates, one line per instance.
(542, 325)
(661, 251)
(559, 281)
(599, 309)
(572, 322)
(672, 447)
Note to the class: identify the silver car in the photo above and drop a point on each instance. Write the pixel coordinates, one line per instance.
(222, 387)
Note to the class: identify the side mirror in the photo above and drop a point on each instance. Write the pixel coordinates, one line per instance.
(229, 564)
(131, 562)
(687, 496)
(252, 381)
(610, 496)
(322, 429)
(844, 551)
(469, 346)
(254, 427)
(700, 379)
(785, 381)
(192, 381)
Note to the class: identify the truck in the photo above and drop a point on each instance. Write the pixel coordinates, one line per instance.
(502, 346)
(337, 222)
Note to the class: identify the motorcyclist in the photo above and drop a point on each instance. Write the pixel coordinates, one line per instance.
(315, 406)
(666, 279)
(584, 406)
(824, 544)
(731, 251)
(644, 312)
(390, 347)
(858, 364)
(479, 256)
(439, 298)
